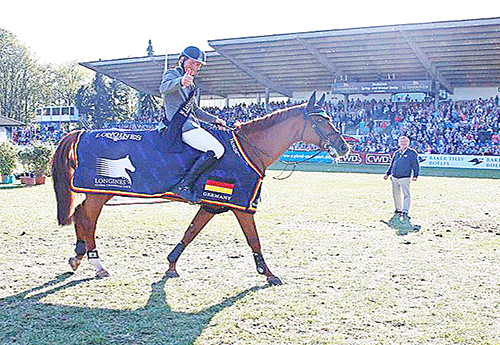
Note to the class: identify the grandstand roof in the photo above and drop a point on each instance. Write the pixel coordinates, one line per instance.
(463, 53)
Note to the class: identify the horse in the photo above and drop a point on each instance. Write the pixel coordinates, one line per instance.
(263, 139)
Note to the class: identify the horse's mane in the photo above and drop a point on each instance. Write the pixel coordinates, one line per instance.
(271, 119)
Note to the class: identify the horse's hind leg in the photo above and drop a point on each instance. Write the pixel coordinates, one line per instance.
(247, 224)
(85, 219)
(197, 224)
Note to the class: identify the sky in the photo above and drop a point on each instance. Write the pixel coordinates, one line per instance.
(58, 31)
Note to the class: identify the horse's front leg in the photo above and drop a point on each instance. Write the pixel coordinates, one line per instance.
(247, 224)
(197, 224)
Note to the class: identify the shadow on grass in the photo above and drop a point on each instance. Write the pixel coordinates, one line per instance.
(24, 320)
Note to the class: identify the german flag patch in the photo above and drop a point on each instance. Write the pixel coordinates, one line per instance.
(215, 185)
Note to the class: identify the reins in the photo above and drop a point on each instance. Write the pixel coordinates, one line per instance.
(294, 164)
(253, 148)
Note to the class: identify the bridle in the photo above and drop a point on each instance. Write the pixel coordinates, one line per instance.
(308, 117)
(327, 142)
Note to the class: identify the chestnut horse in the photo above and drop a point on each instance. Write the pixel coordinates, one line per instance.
(264, 140)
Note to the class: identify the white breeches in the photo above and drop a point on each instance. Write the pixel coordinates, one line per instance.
(202, 140)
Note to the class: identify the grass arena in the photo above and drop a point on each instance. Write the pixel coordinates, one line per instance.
(348, 279)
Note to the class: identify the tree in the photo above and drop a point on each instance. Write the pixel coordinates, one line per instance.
(106, 100)
(21, 79)
(26, 85)
(67, 79)
(83, 102)
(102, 101)
(124, 100)
(150, 107)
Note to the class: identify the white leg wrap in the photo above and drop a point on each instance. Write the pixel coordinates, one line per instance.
(93, 257)
(97, 264)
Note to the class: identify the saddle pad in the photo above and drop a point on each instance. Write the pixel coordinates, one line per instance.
(138, 164)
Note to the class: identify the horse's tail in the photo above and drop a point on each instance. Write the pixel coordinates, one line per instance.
(63, 164)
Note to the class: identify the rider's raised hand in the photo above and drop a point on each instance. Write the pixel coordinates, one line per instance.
(187, 80)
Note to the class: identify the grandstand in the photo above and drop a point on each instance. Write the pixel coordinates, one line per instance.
(459, 59)
(436, 82)
(380, 81)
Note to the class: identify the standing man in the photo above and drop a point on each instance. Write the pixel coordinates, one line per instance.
(404, 167)
(179, 93)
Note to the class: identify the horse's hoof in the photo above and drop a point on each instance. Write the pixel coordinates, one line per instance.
(74, 263)
(172, 274)
(102, 273)
(274, 281)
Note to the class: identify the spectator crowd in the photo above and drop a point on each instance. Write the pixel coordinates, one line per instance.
(453, 127)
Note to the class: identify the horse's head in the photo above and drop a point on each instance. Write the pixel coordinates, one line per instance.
(325, 135)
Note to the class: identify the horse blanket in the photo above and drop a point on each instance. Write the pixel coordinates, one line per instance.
(141, 164)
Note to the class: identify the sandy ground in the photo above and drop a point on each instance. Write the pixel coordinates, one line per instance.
(348, 278)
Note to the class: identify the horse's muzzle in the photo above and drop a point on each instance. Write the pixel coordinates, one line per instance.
(341, 151)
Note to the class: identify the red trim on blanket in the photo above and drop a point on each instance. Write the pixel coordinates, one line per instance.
(245, 156)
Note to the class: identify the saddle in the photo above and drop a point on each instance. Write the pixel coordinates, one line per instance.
(140, 163)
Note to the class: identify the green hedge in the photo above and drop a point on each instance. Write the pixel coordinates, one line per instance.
(8, 158)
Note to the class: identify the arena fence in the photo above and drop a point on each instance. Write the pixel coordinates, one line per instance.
(431, 164)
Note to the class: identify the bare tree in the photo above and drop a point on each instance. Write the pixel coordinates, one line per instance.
(20, 79)
(67, 79)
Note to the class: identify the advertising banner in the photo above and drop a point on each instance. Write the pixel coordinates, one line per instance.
(426, 160)
(459, 161)
(303, 156)
(323, 157)
(390, 86)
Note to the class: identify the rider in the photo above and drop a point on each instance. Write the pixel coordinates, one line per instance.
(176, 88)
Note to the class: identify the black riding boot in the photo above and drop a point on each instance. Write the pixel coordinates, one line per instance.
(184, 188)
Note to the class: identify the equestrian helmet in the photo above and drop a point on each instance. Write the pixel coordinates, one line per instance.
(194, 53)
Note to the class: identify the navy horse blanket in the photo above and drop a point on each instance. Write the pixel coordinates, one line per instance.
(140, 164)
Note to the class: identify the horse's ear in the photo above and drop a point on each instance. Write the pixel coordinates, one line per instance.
(321, 101)
(312, 100)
